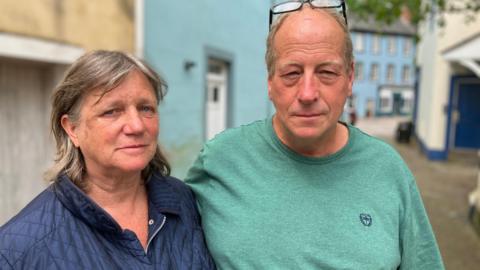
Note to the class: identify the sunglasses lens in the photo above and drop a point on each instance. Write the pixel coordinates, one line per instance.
(286, 7)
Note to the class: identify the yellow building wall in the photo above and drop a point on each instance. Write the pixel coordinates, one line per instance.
(90, 24)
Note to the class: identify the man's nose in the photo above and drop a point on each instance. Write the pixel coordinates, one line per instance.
(308, 92)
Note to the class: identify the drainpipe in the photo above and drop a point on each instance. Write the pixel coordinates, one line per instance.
(474, 197)
(139, 28)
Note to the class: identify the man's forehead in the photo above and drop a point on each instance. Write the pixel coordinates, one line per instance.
(308, 29)
(307, 15)
(309, 25)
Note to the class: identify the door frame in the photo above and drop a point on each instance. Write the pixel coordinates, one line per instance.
(228, 58)
(455, 83)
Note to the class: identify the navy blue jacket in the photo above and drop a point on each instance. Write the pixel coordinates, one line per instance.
(64, 229)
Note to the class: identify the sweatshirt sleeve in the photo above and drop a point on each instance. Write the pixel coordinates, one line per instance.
(197, 178)
(419, 249)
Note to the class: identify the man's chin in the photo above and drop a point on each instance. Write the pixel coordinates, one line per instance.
(308, 133)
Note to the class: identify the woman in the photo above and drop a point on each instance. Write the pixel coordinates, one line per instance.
(111, 204)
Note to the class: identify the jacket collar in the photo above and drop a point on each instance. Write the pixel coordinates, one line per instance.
(161, 195)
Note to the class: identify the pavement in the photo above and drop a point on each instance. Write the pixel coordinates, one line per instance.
(444, 186)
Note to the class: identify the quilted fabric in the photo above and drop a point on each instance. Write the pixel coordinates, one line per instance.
(64, 229)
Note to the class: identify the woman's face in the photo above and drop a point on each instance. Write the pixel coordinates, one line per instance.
(117, 132)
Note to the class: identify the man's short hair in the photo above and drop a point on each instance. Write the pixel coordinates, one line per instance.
(271, 56)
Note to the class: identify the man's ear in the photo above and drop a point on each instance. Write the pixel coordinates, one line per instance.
(351, 78)
(269, 88)
(70, 129)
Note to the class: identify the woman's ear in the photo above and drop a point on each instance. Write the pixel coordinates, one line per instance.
(70, 129)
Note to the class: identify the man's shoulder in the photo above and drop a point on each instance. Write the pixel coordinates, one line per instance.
(367, 141)
(30, 226)
(379, 152)
(233, 137)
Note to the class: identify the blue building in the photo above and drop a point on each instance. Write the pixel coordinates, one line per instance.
(384, 69)
(211, 53)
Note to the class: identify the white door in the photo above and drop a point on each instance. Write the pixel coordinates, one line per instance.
(216, 103)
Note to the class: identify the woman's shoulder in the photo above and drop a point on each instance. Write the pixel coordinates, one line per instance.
(172, 193)
(30, 226)
(173, 182)
(172, 186)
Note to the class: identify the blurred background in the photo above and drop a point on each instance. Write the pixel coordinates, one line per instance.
(417, 86)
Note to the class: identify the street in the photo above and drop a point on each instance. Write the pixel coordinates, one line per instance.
(444, 187)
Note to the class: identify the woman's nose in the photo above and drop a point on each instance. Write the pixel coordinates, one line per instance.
(134, 123)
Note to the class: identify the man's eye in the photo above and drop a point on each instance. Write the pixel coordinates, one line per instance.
(328, 72)
(291, 75)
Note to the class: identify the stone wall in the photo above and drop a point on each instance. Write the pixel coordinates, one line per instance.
(99, 24)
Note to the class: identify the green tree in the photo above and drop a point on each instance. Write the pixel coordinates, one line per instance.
(389, 10)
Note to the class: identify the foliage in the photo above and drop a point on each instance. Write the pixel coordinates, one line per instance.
(389, 10)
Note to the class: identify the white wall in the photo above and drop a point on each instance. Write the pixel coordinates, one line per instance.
(435, 77)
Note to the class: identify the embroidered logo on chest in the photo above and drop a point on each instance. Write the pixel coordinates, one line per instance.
(366, 219)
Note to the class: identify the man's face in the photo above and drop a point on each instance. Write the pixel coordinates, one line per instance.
(310, 82)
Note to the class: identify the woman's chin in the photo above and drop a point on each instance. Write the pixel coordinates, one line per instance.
(132, 167)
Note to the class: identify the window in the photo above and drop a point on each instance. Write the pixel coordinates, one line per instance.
(374, 72)
(406, 74)
(391, 45)
(376, 44)
(370, 107)
(390, 73)
(385, 102)
(359, 42)
(358, 71)
(408, 98)
(407, 46)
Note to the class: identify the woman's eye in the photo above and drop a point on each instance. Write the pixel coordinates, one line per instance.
(110, 112)
(148, 110)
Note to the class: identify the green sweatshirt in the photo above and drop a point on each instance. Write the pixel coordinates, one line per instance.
(264, 206)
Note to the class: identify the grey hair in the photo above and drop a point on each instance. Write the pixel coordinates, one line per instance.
(95, 70)
(271, 56)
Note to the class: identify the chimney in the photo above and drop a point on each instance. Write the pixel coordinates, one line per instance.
(405, 16)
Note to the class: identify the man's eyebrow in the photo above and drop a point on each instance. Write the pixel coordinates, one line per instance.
(290, 63)
(320, 65)
(330, 63)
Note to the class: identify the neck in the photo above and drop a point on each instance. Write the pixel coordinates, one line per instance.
(329, 143)
(124, 198)
(116, 194)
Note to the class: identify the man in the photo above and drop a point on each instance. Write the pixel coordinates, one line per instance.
(301, 190)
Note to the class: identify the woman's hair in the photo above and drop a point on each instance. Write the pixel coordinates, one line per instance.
(271, 56)
(95, 70)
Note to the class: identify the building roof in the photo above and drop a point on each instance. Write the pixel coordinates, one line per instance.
(466, 53)
(464, 49)
(399, 27)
